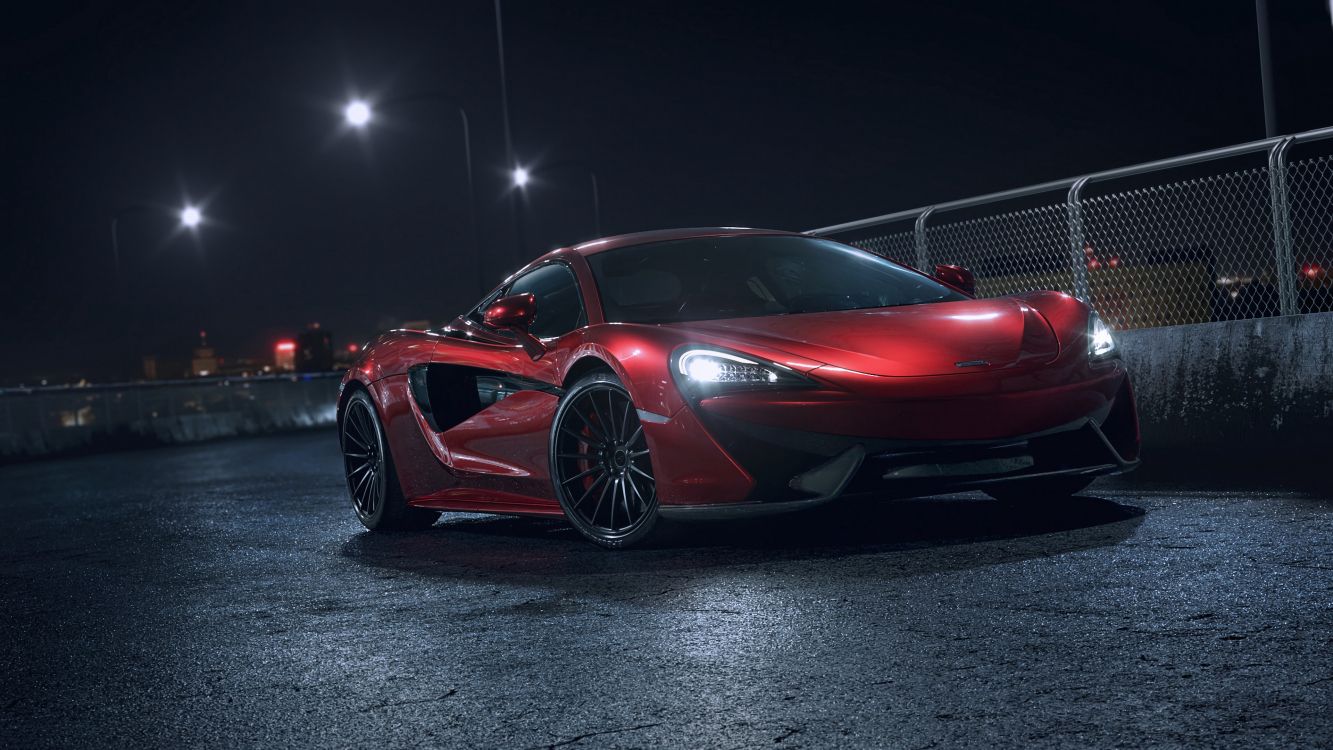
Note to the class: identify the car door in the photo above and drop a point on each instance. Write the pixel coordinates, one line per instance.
(498, 400)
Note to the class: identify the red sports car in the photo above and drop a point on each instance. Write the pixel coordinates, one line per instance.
(718, 373)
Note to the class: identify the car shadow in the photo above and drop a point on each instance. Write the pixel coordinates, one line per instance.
(925, 535)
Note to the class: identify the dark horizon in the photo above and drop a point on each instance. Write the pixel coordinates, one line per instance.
(805, 119)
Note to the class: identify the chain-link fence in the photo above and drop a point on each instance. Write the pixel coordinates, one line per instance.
(1211, 244)
(44, 421)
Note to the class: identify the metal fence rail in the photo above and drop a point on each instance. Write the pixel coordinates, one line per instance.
(44, 421)
(1211, 244)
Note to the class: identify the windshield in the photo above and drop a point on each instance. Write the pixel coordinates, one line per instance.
(751, 275)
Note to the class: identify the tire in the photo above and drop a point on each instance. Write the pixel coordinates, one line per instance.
(598, 453)
(1038, 490)
(372, 480)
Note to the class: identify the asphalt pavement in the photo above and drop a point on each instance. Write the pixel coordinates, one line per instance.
(223, 595)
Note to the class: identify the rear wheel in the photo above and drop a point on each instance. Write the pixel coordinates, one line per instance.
(600, 463)
(1038, 490)
(371, 479)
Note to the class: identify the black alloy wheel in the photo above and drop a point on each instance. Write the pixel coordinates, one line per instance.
(600, 463)
(371, 481)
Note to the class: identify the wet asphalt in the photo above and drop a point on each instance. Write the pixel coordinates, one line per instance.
(223, 595)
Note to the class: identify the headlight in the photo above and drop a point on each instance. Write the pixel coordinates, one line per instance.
(710, 370)
(1101, 343)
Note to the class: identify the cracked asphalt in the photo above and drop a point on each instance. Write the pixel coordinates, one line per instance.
(223, 595)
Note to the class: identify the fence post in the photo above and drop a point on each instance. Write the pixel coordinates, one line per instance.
(1281, 207)
(1077, 259)
(922, 254)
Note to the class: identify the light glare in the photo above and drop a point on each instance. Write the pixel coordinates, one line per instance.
(191, 217)
(520, 176)
(357, 113)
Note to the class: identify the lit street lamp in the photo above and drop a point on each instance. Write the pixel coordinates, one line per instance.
(522, 177)
(191, 217)
(358, 113)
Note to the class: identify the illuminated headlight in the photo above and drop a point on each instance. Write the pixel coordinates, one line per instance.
(710, 369)
(1101, 343)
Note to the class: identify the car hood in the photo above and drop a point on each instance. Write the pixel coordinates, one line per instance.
(944, 338)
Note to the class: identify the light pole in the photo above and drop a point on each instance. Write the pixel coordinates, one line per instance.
(358, 113)
(1265, 67)
(190, 216)
(523, 176)
(511, 161)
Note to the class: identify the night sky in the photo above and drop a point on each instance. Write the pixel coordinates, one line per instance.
(763, 114)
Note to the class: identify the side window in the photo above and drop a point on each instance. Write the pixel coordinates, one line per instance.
(559, 307)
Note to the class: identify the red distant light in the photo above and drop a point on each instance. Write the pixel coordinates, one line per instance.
(353, 348)
(1094, 263)
(1312, 269)
(286, 346)
(1114, 262)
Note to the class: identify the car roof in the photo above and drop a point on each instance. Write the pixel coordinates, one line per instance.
(593, 247)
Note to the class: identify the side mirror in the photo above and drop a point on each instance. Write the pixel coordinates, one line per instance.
(957, 276)
(515, 313)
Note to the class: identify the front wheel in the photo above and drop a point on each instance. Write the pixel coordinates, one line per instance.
(1038, 490)
(371, 479)
(600, 463)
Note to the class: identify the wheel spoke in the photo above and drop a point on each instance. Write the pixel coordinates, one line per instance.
(576, 456)
(349, 428)
(601, 497)
(624, 500)
(611, 414)
(635, 437)
(581, 475)
(643, 504)
(362, 482)
(581, 438)
(597, 410)
(624, 419)
(641, 472)
(588, 491)
(596, 433)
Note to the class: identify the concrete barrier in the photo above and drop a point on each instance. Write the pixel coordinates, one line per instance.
(37, 422)
(1243, 401)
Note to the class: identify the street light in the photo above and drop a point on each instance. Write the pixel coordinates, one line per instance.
(357, 113)
(191, 217)
(522, 177)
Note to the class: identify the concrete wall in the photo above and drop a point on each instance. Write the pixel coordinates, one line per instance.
(1243, 401)
(52, 421)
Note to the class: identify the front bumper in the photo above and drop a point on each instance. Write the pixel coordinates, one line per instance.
(794, 470)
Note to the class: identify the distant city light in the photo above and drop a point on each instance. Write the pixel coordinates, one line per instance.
(353, 348)
(286, 346)
(191, 217)
(520, 176)
(357, 113)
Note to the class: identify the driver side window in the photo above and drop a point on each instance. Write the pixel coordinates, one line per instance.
(559, 304)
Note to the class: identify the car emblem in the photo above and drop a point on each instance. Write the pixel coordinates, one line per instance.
(972, 363)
